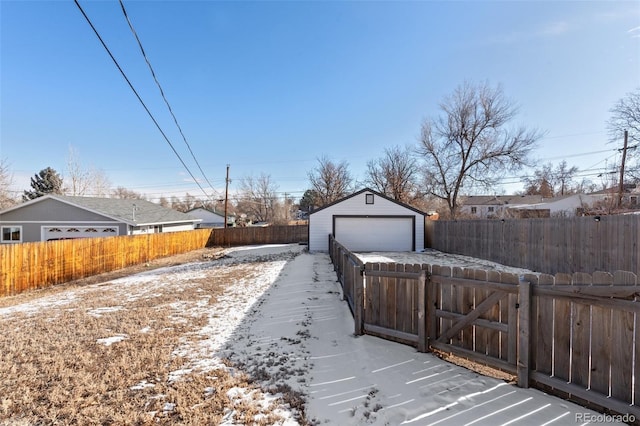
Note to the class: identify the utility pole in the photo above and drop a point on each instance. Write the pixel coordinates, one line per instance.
(624, 157)
(226, 197)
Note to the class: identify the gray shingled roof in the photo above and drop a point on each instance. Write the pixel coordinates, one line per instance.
(146, 213)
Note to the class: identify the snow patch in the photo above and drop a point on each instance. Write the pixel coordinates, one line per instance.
(98, 312)
(108, 341)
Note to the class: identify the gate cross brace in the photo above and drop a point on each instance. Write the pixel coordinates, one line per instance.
(491, 300)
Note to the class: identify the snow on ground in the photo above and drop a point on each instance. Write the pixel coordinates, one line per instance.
(284, 322)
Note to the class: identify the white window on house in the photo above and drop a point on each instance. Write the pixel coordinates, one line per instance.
(490, 209)
(369, 198)
(11, 234)
(474, 210)
(633, 201)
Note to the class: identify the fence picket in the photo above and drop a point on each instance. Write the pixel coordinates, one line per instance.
(493, 336)
(543, 337)
(622, 337)
(601, 339)
(481, 333)
(396, 314)
(446, 301)
(580, 334)
(562, 331)
(457, 305)
(509, 316)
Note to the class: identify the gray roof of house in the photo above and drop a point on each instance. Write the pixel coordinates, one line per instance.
(146, 213)
(207, 210)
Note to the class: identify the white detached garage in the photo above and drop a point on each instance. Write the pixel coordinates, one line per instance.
(367, 221)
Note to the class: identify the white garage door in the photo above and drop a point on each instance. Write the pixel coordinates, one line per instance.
(374, 233)
(51, 233)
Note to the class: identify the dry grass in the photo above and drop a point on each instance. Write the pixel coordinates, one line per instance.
(472, 365)
(53, 369)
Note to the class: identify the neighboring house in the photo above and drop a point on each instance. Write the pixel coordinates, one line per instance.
(568, 206)
(630, 195)
(531, 206)
(56, 217)
(495, 206)
(210, 219)
(367, 221)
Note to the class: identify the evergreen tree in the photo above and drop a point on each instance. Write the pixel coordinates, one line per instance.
(46, 181)
(308, 200)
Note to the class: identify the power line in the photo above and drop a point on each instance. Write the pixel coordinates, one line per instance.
(175, 120)
(578, 155)
(599, 132)
(138, 96)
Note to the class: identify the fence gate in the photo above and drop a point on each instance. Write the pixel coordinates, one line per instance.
(394, 303)
(481, 315)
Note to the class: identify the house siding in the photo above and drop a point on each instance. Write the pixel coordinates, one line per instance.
(321, 222)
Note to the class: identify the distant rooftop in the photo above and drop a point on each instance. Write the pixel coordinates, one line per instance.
(493, 200)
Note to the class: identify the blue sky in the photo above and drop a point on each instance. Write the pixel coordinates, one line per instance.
(270, 86)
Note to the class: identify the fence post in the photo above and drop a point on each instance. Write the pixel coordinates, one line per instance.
(423, 346)
(358, 299)
(524, 332)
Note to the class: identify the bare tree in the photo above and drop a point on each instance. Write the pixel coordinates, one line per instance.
(77, 178)
(122, 192)
(188, 202)
(330, 181)
(469, 145)
(164, 202)
(395, 174)
(81, 181)
(549, 181)
(564, 177)
(257, 197)
(541, 183)
(6, 180)
(625, 115)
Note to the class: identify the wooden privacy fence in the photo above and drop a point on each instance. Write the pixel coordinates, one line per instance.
(259, 235)
(577, 336)
(35, 265)
(552, 245)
